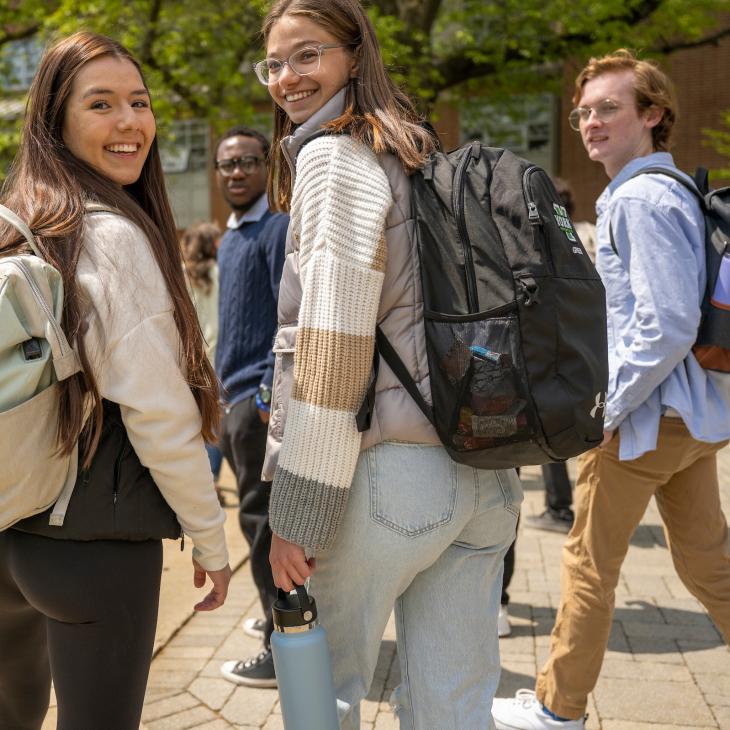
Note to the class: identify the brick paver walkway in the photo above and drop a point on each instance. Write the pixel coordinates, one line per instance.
(666, 667)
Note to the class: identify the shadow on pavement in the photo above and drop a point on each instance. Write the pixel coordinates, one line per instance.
(649, 536)
(510, 682)
(641, 626)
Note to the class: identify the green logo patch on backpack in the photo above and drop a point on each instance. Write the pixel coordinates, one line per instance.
(563, 221)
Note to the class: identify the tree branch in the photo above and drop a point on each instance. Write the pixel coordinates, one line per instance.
(456, 69)
(387, 7)
(10, 34)
(431, 10)
(145, 51)
(198, 109)
(710, 40)
(147, 57)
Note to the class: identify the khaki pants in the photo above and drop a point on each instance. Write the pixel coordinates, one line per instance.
(611, 498)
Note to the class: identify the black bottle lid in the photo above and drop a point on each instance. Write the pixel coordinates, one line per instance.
(294, 610)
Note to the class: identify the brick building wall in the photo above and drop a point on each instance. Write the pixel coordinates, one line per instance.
(700, 75)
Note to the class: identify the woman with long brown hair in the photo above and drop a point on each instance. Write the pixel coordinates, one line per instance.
(199, 243)
(381, 519)
(78, 602)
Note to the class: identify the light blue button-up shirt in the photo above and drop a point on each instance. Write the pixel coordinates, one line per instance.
(654, 289)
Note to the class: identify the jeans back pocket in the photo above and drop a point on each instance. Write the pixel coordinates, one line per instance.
(413, 487)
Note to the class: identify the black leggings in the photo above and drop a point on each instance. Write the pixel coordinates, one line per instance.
(83, 613)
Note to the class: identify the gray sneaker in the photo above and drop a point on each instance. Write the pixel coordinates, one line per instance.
(550, 521)
(257, 671)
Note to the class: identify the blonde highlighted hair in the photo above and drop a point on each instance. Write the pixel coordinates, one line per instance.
(652, 88)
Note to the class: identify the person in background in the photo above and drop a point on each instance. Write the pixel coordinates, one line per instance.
(200, 247)
(585, 229)
(250, 260)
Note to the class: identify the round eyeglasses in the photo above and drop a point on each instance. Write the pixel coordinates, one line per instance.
(248, 165)
(604, 110)
(304, 62)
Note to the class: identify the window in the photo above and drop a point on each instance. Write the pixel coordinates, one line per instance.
(524, 125)
(186, 146)
(184, 154)
(18, 63)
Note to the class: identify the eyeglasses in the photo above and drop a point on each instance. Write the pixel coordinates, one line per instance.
(604, 110)
(249, 165)
(304, 62)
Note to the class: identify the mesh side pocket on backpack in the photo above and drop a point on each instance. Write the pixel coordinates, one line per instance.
(477, 382)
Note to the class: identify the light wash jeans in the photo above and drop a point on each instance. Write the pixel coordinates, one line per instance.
(427, 536)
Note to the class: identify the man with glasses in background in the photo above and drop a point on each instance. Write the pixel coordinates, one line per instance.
(665, 416)
(250, 261)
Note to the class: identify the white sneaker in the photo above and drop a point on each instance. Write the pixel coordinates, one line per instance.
(254, 627)
(504, 627)
(524, 712)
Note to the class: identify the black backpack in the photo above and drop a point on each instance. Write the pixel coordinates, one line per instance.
(514, 314)
(712, 347)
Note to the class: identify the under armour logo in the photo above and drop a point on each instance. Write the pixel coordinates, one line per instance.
(600, 404)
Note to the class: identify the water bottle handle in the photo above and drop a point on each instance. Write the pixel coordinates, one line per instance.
(302, 596)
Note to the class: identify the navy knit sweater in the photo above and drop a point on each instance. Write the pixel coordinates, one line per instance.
(250, 260)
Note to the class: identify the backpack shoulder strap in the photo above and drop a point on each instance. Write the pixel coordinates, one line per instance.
(401, 372)
(7, 215)
(678, 177)
(702, 180)
(693, 187)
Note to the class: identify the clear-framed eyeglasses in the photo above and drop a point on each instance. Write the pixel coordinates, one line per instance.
(248, 165)
(604, 110)
(303, 63)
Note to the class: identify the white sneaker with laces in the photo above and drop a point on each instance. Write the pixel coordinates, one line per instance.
(504, 627)
(524, 712)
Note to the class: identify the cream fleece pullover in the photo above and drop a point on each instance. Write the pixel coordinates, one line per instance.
(134, 350)
(340, 201)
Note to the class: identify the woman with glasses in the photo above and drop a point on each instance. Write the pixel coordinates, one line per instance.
(78, 602)
(381, 519)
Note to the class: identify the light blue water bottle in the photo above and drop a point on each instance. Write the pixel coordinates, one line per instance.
(302, 663)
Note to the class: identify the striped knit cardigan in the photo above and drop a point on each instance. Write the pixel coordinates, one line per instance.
(339, 205)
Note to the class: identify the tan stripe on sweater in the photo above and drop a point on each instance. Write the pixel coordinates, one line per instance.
(337, 368)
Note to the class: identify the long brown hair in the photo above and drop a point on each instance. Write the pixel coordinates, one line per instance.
(49, 188)
(376, 112)
(199, 248)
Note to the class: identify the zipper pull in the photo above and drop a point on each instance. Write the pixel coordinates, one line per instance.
(182, 541)
(532, 214)
(530, 291)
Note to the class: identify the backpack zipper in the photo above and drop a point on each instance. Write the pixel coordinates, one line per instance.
(533, 214)
(42, 302)
(458, 205)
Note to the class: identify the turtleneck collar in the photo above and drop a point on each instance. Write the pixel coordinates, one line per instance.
(331, 110)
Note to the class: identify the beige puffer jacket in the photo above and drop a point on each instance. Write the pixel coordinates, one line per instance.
(396, 417)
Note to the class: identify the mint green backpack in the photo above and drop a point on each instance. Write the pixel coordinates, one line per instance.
(34, 356)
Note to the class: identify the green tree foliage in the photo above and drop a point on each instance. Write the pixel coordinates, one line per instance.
(719, 139)
(197, 54)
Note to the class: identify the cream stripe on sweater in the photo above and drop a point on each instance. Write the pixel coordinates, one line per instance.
(339, 204)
